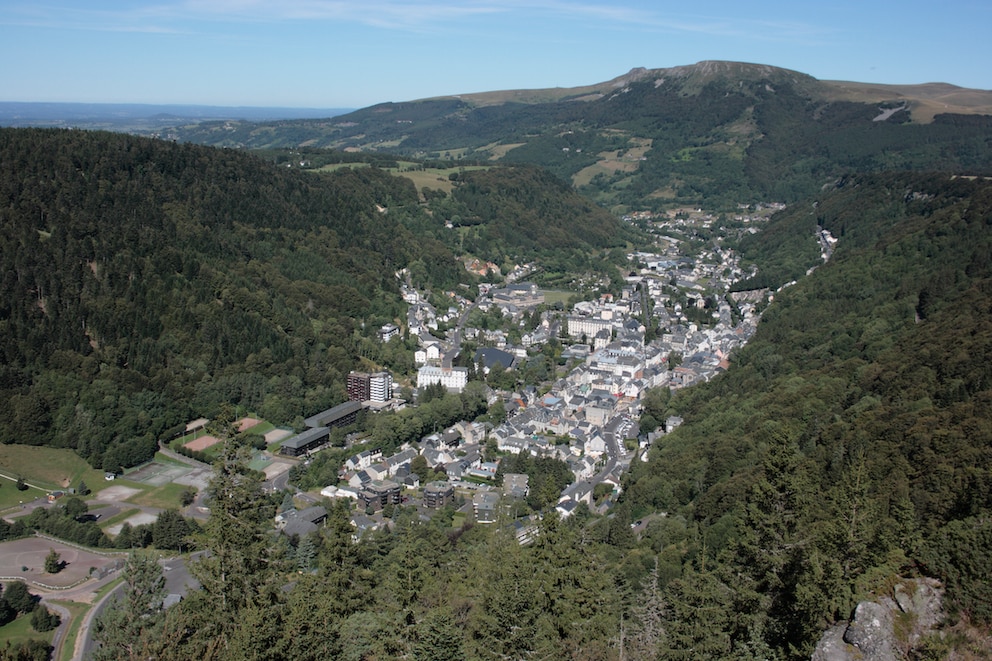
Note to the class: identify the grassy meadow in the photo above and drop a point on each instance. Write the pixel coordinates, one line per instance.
(21, 631)
(49, 469)
(436, 178)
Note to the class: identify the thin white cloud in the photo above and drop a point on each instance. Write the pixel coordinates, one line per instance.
(183, 16)
(80, 18)
(377, 13)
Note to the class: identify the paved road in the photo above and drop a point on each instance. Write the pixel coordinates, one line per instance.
(279, 482)
(616, 453)
(456, 336)
(63, 629)
(77, 594)
(84, 639)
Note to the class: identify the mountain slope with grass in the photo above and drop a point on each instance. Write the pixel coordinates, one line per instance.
(719, 132)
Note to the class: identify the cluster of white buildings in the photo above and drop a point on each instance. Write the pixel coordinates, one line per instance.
(613, 366)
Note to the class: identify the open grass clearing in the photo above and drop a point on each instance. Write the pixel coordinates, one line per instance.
(262, 428)
(48, 468)
(435, 178)
(164, 497)
(10, 497)
(20, 631)
(552, 296)
(498, 151)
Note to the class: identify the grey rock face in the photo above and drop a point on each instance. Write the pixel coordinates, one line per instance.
(873, 634)
(872, 631)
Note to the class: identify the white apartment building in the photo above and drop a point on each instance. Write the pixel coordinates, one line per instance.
(452, 378)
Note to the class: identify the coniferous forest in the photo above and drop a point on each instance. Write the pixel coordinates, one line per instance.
(148, 282)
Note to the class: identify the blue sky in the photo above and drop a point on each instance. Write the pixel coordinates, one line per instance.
(350, 54)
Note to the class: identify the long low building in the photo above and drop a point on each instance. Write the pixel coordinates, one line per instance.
(305, 442)
(339, 416)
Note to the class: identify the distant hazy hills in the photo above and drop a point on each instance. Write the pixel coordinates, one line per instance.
(139, 116)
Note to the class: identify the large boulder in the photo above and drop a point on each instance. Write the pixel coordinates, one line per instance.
(886, 628)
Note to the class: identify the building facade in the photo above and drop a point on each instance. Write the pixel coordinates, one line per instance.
(365, 387)
(452, 378)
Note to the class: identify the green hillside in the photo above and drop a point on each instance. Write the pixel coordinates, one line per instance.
(852, 438)
(715, 132)
(146, 283)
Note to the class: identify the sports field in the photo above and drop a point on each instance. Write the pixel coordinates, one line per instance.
(202, 443)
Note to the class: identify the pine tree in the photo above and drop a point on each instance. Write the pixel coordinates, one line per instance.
(170, 531)
(646, 630)
(701, 618)
(124, 538)
(437, 639)
(128, 628)
(775, 535)
(306, 554)
(242, 572)
(53, 562)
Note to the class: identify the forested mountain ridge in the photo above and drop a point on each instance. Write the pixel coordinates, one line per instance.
(852, 439)
(147, 281)
(719, 132)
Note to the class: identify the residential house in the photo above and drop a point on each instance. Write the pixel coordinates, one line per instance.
(379, 493)
(438, 494)
(300, 522)
(566, 508)
(516, 485)
(485, 504)
(363, 525)
(398, 460)
(388, 332)
(486, 470)
(359, 479)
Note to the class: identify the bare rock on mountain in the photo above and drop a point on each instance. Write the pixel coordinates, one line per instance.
(887, 628)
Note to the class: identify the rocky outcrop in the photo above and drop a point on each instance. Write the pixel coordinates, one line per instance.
(887, 628)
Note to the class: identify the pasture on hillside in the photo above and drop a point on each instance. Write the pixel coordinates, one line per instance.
(47, 468)
(434, 178)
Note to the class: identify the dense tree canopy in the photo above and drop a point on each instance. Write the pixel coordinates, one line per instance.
(145, 281)
(852, 439)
